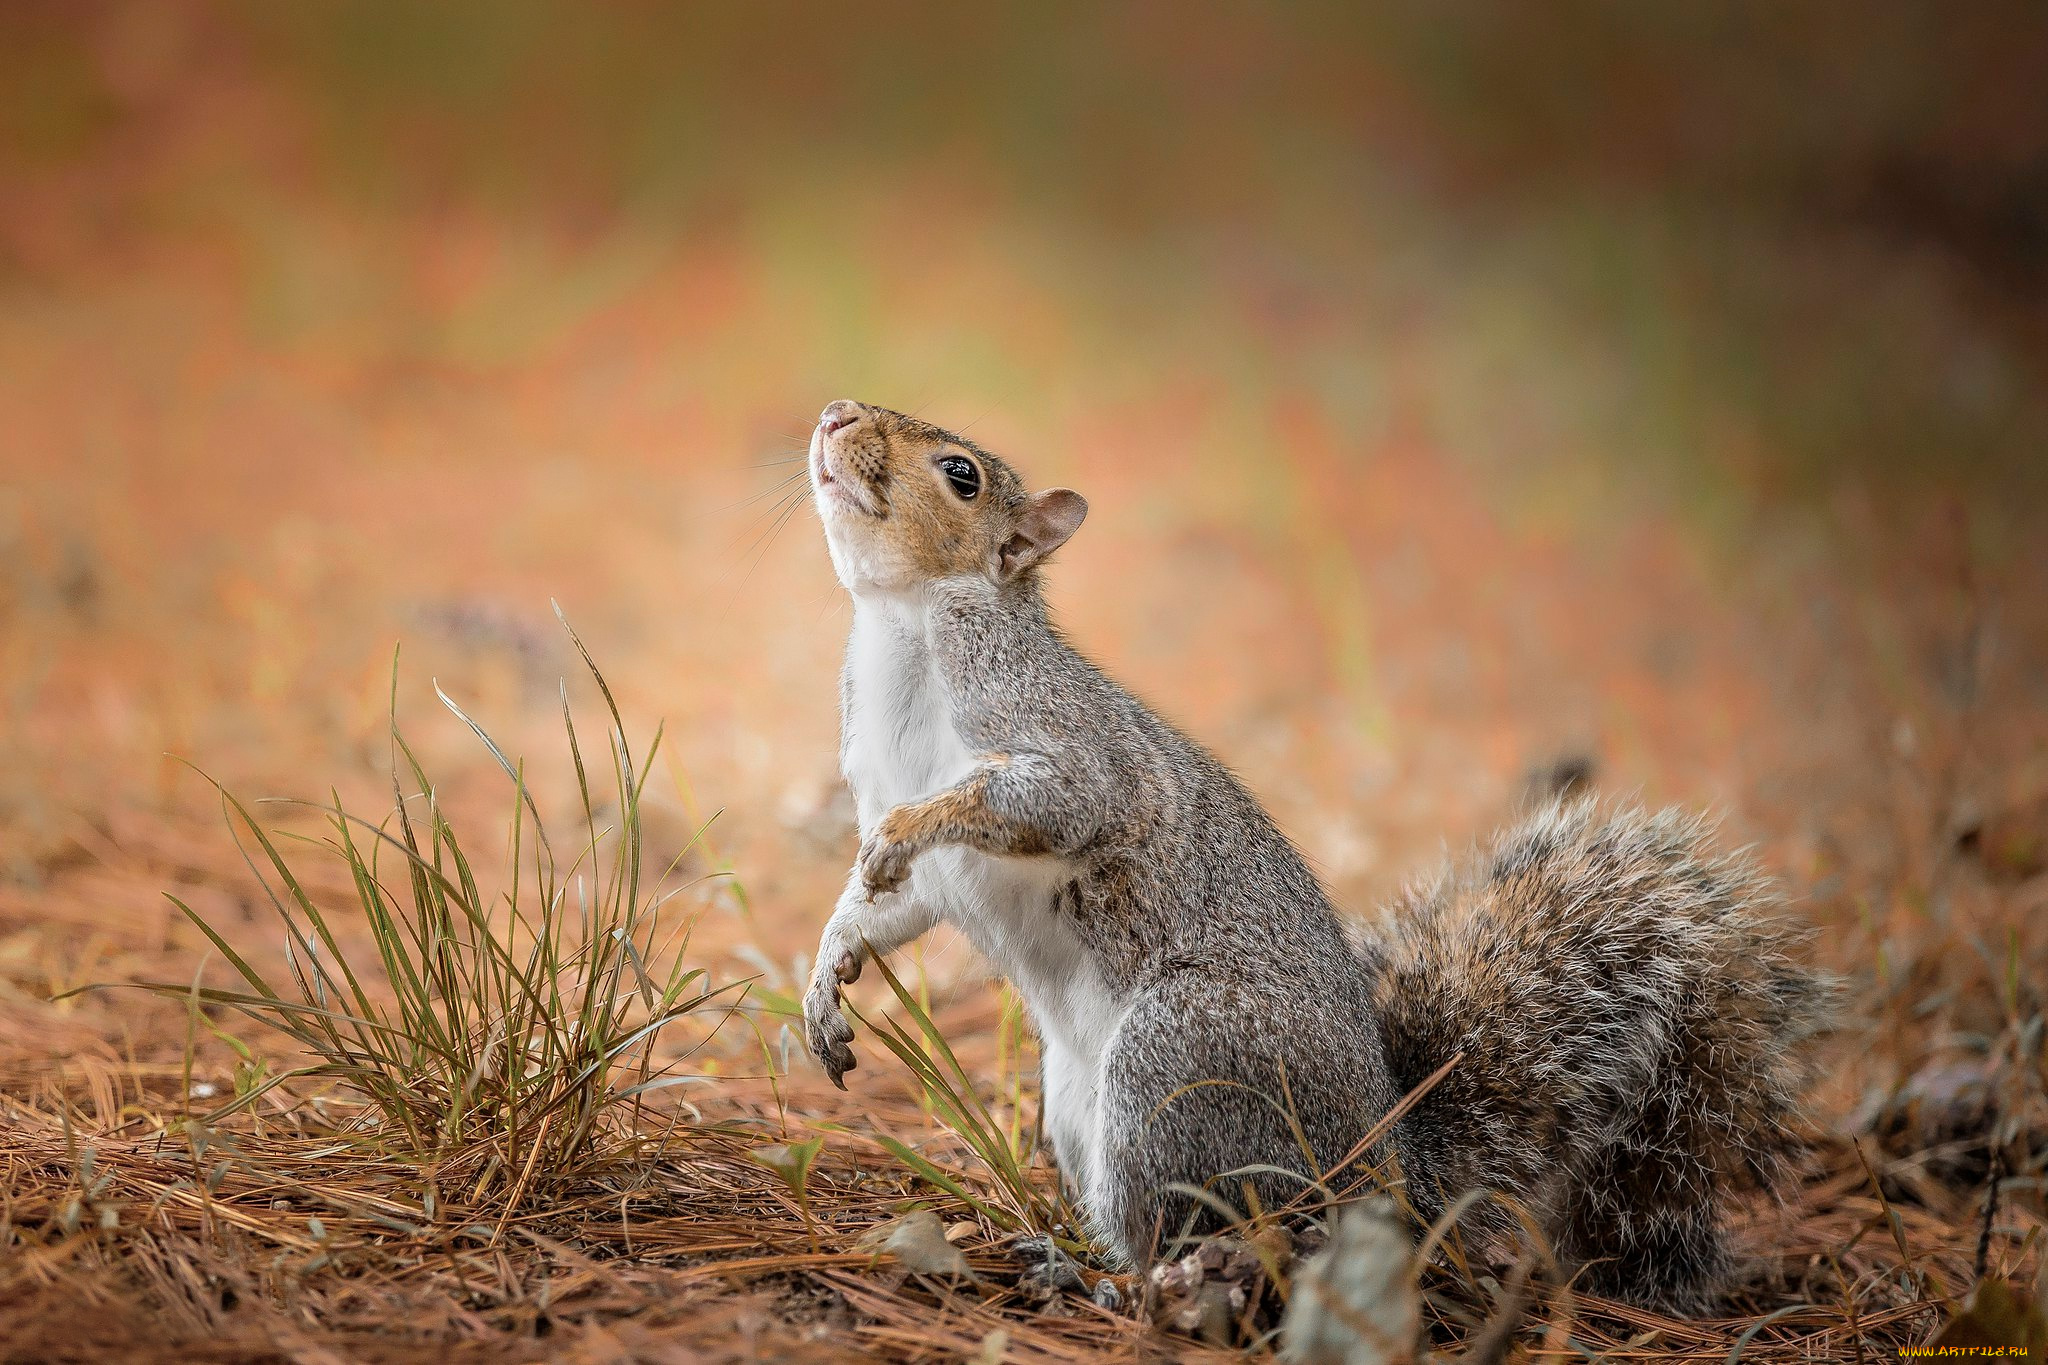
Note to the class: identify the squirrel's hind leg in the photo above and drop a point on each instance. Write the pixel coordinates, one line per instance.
(1194, 1095)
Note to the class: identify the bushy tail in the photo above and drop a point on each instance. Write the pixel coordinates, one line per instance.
(1636, 1029)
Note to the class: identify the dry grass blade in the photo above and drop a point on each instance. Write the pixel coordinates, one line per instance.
(1022, 1203)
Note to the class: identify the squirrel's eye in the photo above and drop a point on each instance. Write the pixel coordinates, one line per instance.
(961, 473)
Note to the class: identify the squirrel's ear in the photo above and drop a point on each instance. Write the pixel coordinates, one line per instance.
(1048, 520)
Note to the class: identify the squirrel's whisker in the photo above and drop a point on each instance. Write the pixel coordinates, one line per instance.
(772, 491)
(775, 517)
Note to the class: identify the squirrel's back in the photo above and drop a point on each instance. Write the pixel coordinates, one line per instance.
(1634, 1021)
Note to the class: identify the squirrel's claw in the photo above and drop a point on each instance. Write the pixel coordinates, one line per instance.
(826, 1030)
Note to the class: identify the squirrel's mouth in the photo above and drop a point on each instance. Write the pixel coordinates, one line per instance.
(837, 490)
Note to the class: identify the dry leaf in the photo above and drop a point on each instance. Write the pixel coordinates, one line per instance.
(1355, 1302)
(918, 1240)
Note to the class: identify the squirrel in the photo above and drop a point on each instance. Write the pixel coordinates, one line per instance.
(1626, 1010)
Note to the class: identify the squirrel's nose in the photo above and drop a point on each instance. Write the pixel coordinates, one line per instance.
(842, 412)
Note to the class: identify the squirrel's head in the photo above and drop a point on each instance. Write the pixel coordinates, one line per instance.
(904, 503)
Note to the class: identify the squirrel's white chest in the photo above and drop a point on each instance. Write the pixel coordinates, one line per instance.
(899, 744)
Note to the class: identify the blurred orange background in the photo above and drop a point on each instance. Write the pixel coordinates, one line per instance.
(1454, 386)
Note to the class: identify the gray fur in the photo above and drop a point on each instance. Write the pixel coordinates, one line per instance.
(1629, 1008)
(1635, 1022)
(1200, 912)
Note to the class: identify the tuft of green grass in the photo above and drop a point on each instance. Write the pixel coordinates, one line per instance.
(496, 1040)
(1018, 1203)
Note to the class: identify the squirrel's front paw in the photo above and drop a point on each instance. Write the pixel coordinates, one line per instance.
(825, 1026)
(883, 864)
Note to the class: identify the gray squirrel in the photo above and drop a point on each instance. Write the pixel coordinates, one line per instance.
(1630, 1009)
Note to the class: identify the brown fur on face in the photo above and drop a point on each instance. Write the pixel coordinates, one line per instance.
(879, 487)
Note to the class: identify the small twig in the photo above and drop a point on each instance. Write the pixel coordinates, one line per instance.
(1891, 1217)
(1990, 1207)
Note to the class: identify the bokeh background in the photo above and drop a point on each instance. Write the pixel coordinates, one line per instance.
(1455, 386)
